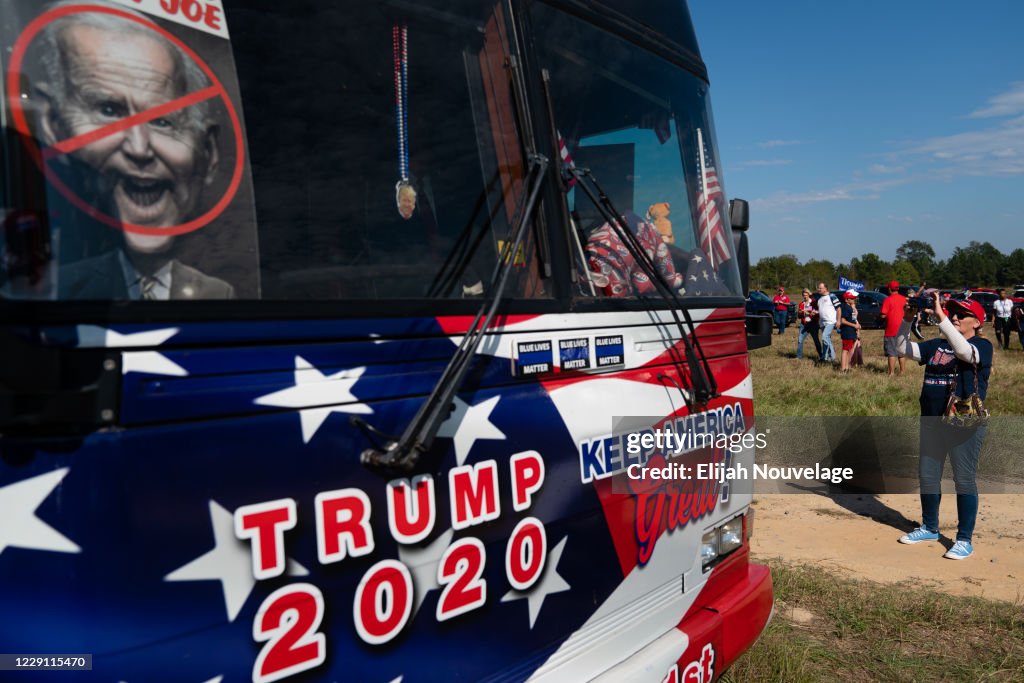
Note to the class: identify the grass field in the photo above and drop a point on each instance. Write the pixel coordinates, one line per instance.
(784, 385)
(789, 392)
(828, 629)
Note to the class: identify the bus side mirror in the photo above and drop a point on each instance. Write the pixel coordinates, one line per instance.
(739, 218)
(739, 214)
(759, 327)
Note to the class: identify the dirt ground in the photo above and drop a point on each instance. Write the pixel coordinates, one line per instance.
(856, 536)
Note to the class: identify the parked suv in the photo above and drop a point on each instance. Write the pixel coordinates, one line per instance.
(869, 309)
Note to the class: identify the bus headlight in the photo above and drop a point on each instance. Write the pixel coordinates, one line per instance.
(731, 536)
(709, 547)
(720, 541)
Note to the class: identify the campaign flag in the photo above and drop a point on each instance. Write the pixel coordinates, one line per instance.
(846, 284)
(709, 193)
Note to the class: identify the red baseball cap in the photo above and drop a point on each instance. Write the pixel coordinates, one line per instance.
(970, 306)
(849, 294)
(893, 286)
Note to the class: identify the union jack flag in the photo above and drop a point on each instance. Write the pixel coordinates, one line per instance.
(711, 230)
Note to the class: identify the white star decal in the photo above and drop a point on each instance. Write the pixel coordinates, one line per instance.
(229, 562)
(422, 564)
(693, 277)
(93, 335)
(317, 396)
(19, 526)
(550, 582)
(696, 258)
(469, 423)
(149, 362)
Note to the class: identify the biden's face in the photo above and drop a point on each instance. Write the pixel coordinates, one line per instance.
(151, 174)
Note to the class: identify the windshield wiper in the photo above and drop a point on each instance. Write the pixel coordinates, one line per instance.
(703, 386)
(403, 454)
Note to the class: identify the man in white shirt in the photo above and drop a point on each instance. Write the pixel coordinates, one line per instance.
(1003, 310)
(827, 322)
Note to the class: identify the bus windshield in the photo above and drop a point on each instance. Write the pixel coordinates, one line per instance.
(643, 127)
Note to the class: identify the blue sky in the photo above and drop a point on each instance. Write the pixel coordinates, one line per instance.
(855, 126)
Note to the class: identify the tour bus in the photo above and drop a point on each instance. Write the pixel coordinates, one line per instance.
(365, 341)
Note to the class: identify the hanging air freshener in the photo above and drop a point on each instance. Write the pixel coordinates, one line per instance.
(405, 194)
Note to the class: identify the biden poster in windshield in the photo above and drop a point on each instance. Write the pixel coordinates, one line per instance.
(124, 153)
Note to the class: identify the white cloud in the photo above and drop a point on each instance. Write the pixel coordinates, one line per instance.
(883, 169)
(995, 151)
(778, 143)
(764, 162)
(1008, 103)
(859, 191)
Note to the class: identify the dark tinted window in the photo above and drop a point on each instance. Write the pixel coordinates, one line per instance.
(319, 88)
(670, 17)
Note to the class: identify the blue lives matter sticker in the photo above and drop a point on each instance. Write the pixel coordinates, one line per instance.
(609, 350)
(574, 354)
(534, 358)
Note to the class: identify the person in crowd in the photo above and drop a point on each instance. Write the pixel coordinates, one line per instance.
(827, 322)
(781, 302)
(807, 313)
(1018, 318)
(849, 328)
(1003, 309)
(957, 362)
(100, 69)
(892, 311)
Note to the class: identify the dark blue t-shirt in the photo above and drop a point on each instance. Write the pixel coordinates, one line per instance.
(847, 332)
(943, 369)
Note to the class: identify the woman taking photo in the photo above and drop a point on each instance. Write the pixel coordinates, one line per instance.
(807, 312)
(958, 363)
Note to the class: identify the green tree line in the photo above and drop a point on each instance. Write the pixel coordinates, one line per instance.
(979, 264)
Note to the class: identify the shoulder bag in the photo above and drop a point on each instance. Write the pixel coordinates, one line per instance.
(965, 413)
(857, 358)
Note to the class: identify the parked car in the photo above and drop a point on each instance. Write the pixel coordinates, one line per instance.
(986, 299)
(903, 289)
(869, 308)
(758, 302)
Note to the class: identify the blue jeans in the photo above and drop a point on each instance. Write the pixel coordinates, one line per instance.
(827, 352)
(805, 330)
(780, 320)
(963, 446)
